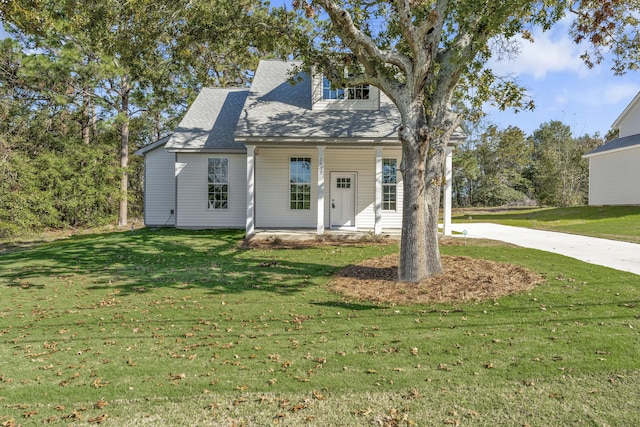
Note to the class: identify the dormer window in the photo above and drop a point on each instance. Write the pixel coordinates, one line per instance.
(360, 92)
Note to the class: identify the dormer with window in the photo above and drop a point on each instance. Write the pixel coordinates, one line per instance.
(327, 97)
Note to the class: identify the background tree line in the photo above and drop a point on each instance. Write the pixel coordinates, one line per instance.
(83, 84)
(497, 167)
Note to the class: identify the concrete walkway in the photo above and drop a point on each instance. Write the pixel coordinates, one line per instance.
(609, 253)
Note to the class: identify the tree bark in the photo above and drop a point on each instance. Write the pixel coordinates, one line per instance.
(419, 253)
(433, 194)
(413, 251)
(124, 154)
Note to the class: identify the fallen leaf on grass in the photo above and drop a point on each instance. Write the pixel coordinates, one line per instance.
(29, 414)
(74, 415)
(283, 403)
(299, 407)
(97, 383)
(364, 412)
(99, 419)
(413, 394)
(101, 404)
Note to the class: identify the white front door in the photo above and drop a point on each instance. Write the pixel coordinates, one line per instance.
(343, 199)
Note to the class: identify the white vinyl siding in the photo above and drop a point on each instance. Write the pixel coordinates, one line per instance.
(362, 162)
(614, 177)
(272, 186)
(192, 183)
(159, 188)
(630, 125)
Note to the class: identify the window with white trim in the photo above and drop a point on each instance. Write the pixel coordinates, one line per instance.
(360, 92)
(300, 183)
(389, 184)
(218, 183)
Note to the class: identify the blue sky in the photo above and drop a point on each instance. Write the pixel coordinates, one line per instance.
(562, 87)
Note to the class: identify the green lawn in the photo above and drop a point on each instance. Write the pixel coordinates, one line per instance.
(609, 222)
(183, 328)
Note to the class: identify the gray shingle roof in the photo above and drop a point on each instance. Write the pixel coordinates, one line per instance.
(616, 144)
(278, 111)
(210, 122)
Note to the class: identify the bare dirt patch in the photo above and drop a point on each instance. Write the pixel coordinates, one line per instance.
(464, 279)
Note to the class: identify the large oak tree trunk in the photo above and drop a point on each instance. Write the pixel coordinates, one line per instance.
(419, 252)
(434, 177)
(413, 252)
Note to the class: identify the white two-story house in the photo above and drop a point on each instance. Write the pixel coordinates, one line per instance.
(280, 155)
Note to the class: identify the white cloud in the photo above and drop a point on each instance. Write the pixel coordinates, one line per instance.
(615, 93)
(562, 99)
(601, 93)
(552, 51)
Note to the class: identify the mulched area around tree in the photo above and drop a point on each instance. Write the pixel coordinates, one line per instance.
(464, 279)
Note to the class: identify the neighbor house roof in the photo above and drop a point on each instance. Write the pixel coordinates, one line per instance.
(279, 109)
(159, 143)
(210, 122)
(619, 144)
(635, 102)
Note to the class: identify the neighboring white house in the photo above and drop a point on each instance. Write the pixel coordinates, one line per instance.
(282, 155)
(614, 171)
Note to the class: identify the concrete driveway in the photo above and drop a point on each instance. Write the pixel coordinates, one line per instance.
(609, 253)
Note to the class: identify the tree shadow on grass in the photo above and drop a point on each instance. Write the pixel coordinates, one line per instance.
(359, 306)
(142, 260)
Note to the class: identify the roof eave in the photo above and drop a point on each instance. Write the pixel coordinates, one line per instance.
(242, 150)
(154, 145)
(611, 151)
(626, 111)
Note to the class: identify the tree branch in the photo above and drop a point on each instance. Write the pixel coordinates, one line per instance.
(359, 41)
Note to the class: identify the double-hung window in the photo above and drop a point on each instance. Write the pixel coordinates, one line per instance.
(218, 183)
(299, 183)
(389, 184)
(329, 92)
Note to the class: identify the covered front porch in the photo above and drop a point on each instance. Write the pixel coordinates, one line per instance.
(353, 191)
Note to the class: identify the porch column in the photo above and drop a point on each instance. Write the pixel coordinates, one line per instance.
(320, 207)
(446, 198)
(377, 206)
(251, 191)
